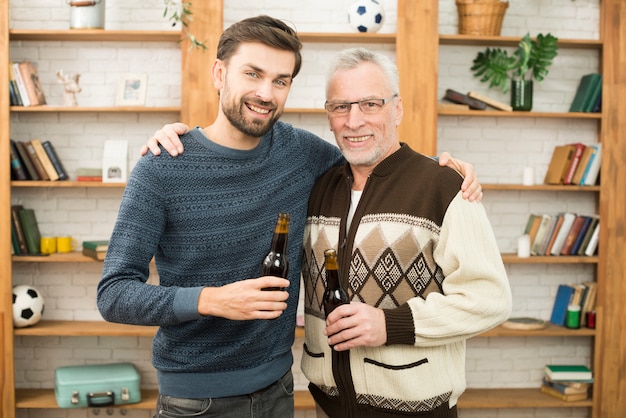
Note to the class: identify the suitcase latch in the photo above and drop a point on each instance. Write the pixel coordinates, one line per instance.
(75, 397)
(125, 394)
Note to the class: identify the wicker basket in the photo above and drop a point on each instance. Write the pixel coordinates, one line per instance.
(481, 17)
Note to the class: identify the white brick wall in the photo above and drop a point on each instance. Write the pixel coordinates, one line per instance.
(498, 147)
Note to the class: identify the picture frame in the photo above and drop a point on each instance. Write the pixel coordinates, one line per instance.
(132, 90)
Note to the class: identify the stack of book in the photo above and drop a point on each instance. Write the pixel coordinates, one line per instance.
(574, 164)
(564, 233)
(474, 100)
(24, 85)
(582, 295)
(36, 160)
(567, 382)
(96, 249)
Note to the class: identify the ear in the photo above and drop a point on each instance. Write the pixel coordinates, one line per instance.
(218, 71)
(399, 110)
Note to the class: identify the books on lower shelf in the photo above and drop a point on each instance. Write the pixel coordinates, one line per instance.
(568, 372)
(564, 233)
(582, 295)
(38, 159)
(588, 97)
(568, 382)
(25, 234)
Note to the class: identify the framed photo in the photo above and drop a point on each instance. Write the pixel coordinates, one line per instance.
(132, 90)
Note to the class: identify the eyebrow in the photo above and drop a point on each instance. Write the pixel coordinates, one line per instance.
(262, 71)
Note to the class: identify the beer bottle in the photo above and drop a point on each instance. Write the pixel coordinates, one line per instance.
(275, 262)
(334, 295)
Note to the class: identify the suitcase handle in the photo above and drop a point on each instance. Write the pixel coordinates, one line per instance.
(109, 398)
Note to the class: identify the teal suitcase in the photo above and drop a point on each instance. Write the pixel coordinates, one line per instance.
(96, 385)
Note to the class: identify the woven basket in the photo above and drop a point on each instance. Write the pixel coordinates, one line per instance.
(481, 17)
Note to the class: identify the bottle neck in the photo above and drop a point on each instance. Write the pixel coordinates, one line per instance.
(279, 242)
(332, 279)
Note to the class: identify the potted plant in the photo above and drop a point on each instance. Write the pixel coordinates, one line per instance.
(530, 61)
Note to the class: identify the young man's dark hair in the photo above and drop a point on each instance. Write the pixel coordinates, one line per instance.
(264, 29)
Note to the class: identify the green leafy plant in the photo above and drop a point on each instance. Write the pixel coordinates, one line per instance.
(180, 12)
(530, 60)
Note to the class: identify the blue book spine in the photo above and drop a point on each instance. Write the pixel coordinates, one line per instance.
(559, 311)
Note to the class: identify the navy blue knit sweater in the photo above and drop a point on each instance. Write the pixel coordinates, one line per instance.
(207, 217)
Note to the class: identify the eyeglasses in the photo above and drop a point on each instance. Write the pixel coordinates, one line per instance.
(367, 106)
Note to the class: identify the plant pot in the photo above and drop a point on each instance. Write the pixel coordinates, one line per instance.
(86, 14)
(522, 94)
(481, 17)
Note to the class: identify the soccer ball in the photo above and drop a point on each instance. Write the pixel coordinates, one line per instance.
(366, 15)
(27, 306)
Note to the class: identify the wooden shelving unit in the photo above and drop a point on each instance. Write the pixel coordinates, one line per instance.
(417, 28)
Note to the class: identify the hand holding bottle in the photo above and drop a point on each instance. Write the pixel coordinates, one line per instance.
(245, 299)
(356, 325)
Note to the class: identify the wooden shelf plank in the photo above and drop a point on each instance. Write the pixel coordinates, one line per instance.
(95, 109)
(541, 188)
(519, 114)
(71, 257)
(503, 41)
(471, 399)
(94, 35)
(66, 183)
(349, 37)
(85, 329)
(550, 259)
(550, 331)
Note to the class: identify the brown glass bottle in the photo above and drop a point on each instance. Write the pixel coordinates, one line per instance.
(334, 295)
(276, 262)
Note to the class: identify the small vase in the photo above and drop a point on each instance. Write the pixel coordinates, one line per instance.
(522, 94)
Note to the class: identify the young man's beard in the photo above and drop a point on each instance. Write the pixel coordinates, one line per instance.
(255, 127)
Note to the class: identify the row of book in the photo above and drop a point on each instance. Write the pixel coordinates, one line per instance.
(588, 97)
(567, 382)
(36, 160)
(564, 233)
(575, 164)
(24, 85)
(25, 234)
(579, 296)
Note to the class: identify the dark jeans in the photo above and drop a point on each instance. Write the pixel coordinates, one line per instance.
(275, 401)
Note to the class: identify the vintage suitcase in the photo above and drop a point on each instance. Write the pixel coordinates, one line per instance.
(96, 385)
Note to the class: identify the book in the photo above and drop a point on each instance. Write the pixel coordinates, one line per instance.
(582, 164)
(55, 160)
(456, 97)
(533, 226)
(19, 231)
(568, 220)
(595, 96)
(44, 159)
(31, 230)
(572, 235)
(452, 106)
(19, 81)
(581, 235)
(490, 102)
(558, 372)
(584, 92)
(587, 237)
(559, 164)
(590, 176)
(583, 384)
(553, 234)
(564, 294)
(34, 159)
(564, 397)
(26, 162)
(18, 171)
(589, 303)
(14, 88)
(32, 83)
(593, 242)
(97, 245)
(542, 231)
(579, 148)
(97, 255)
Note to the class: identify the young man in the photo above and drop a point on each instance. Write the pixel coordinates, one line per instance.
(420, 264)
(223, 348)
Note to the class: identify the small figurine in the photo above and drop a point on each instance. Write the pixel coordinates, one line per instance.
(70, 84)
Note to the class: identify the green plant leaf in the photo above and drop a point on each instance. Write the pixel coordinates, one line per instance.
(493, 66)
